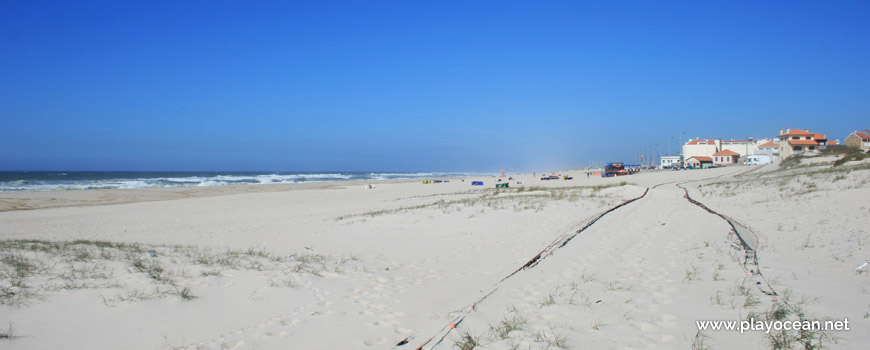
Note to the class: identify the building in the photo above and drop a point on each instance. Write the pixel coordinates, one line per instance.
(796, 141)
(821, 139)
(741, 147)
(725, 157)
(699, 162)
(859, 139)
(769, 150)
(698, 147)
(670, 161)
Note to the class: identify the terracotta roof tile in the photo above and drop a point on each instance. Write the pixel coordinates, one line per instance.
(803, 142)
(726, 152)
(769, 145)
(702, 158)
(797, 132)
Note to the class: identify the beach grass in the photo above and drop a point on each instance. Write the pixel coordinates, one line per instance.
(520, 198)
(30, 269)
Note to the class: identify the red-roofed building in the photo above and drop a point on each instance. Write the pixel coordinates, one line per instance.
(699, 162)
(797, 141)
(725, 157)
(700, 147)
(766, 152)
(859, 139)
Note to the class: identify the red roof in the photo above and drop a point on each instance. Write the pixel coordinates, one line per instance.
(695, 142)
(861, 135)
(702, 158)
(833, 143)
(803, 142)
(797, 132)
(726, 152)
(769, 145)
(819, 137)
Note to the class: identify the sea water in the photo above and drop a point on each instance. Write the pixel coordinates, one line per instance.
(86, 180)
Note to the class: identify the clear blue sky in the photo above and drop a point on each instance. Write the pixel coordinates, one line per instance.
(415, 85)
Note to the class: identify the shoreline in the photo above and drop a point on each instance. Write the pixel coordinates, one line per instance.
(34, 200)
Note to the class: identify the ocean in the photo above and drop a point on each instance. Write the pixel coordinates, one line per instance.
(87, 180)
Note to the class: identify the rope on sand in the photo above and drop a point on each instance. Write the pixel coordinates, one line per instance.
(560, 242)
(748, 241)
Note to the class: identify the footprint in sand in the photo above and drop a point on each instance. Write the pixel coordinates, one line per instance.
(374, 342)
(232, 345)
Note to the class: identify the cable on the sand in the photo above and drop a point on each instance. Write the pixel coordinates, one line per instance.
(749, 246)
(559, 242)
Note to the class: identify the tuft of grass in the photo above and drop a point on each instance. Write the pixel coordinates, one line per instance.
(549, 300)
(692, 274)
(699, 343)
(552, 339)
(467, 341)
(751, 300)
(596, 325)
(20, 266)
(507, 325)
(186, 294)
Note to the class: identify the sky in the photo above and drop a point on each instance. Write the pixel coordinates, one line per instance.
(416, 85)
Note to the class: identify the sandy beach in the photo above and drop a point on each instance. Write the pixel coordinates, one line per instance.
(443, 265)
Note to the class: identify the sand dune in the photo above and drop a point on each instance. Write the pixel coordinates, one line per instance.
(340, 266)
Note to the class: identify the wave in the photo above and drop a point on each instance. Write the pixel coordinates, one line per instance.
(40, 181)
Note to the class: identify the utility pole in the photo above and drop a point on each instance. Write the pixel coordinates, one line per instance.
(681, 145)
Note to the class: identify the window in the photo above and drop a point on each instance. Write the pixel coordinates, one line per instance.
(795, 137)
(796, 148)
(812, 148)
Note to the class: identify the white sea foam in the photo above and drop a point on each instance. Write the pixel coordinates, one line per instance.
(39, 181)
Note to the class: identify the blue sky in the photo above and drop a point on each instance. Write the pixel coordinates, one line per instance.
(415, 85)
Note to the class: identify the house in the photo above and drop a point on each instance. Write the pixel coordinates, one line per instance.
(699, 147)
(699, 162)
(796, 141)
(725, 157)
(741, 147)
(769, 150)
(859, 139)
(821, 139)
(670, 161)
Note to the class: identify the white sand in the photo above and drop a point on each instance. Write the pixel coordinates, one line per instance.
(365, 273)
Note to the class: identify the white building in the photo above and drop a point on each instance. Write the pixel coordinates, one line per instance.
(700, 148)
(669, 161)
(769, 150)
(741, 147)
